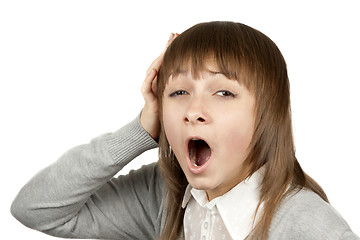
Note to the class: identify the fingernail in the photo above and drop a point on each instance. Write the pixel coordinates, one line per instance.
(171, 36)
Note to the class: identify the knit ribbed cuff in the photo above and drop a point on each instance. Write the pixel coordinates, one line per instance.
(129, 142)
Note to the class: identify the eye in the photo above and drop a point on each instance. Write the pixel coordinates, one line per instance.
(178, 93)
(225, 93)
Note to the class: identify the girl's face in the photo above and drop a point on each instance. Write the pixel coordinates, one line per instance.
(209, 123)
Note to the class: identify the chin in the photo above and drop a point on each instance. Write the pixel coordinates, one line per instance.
(200, 183)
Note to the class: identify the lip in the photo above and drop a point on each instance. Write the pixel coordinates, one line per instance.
(196, 169)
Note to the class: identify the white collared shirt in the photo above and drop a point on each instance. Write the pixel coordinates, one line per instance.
(229, 216)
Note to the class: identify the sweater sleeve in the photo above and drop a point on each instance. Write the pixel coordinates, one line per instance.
(77, 196)
(304, 215)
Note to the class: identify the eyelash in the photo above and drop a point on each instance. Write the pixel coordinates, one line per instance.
(177, 93)
(222, 93)
(225, 93)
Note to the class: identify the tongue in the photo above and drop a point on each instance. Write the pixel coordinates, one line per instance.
(203, 152)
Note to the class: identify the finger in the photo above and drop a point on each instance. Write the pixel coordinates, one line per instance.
(147, 86)
(154, 86)
(158, 61)
(155, 64)
(171, 38)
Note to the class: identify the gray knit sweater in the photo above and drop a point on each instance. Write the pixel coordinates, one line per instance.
(78, 197)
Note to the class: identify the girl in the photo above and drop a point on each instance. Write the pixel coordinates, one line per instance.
(219, 107)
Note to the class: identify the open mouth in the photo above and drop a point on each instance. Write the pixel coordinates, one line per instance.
(199, 152)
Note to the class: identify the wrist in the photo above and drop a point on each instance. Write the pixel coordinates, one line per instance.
(150, 122)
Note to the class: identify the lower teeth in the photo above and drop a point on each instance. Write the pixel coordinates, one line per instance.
(194, 162)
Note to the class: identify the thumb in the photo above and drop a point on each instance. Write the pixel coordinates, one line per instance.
(154, 86)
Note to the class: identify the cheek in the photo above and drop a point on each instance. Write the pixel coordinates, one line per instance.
(169, 131)
(239, 134)
(239, 141)
(173, 133)
(170, 127)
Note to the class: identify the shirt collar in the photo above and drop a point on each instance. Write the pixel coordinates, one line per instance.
(236, 207)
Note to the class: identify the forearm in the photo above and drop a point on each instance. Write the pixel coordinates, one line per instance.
(57, 194)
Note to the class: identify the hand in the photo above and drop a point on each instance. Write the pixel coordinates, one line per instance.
(149, 118)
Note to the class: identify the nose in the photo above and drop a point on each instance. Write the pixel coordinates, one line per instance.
(194, 118)
(196, 112)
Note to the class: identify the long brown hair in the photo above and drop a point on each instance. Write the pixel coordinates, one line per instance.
(248, 56)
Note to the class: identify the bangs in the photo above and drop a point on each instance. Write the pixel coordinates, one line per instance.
(218, 42)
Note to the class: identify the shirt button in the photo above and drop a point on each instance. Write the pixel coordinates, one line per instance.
(206, 225)
(203, 238)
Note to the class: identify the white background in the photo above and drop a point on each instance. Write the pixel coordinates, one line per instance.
(72, 70)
